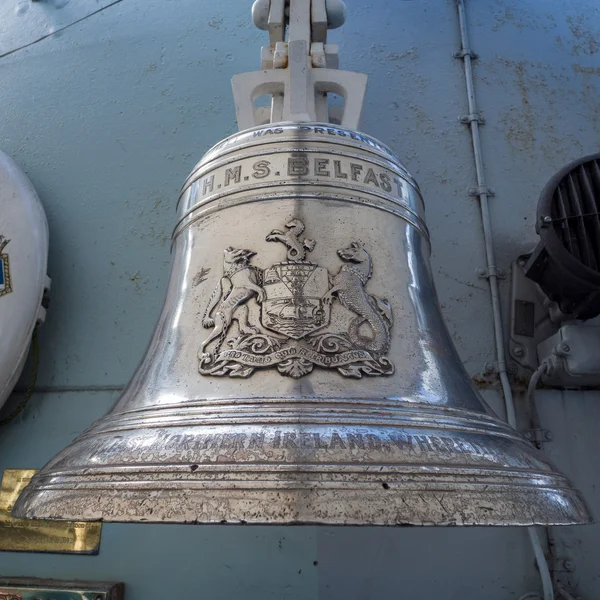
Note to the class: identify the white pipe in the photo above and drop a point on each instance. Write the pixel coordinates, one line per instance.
(492, 275)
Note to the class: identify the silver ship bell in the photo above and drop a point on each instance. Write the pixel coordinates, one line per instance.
(301, 371)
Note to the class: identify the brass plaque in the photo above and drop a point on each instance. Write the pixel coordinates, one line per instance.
(27, 535)
(19, 588)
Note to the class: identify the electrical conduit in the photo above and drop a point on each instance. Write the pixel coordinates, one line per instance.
(492, 274)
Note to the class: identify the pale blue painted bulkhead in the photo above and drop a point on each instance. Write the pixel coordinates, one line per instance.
(108, 117)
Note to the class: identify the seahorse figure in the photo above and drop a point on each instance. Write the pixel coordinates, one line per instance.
(349, 287)
(296, 248)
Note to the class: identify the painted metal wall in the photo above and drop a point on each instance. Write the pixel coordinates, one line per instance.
(109, 115)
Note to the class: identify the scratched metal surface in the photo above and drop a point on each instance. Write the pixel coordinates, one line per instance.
(110, 115)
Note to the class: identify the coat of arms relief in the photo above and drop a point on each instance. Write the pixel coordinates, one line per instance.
(293, 329)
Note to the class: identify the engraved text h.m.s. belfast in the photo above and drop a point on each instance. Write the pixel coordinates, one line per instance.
(295, 298)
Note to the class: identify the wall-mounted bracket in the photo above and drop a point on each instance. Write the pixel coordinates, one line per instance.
(530, 321)
(541, 333)
(538, 436)
(491, 271)
(300, 71)
(467, 119)
(476, 192)
(465, 52)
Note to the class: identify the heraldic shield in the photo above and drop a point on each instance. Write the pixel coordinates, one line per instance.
(294, 304)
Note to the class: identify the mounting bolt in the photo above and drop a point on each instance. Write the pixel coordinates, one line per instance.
(565, 348)
(519, 351)
(489, 368)
(546, 221)
(569, 565)
(548, 436)
(528, 435)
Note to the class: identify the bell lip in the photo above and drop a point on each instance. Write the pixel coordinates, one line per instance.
(369, 512)
(295, 494)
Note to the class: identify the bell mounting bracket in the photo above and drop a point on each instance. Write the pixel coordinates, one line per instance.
(299, 67)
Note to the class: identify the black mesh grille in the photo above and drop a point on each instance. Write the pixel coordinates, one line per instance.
(566, 262)
(575, 213)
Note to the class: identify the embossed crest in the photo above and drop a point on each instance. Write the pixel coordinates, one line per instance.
(296, 298)
(294, 303)
(5, 279)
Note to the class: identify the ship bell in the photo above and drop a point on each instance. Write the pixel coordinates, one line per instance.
(301, 370)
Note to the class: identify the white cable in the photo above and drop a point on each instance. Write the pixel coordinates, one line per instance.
(533, 536)
(534, 380)
(492, 275)
(540, 559)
